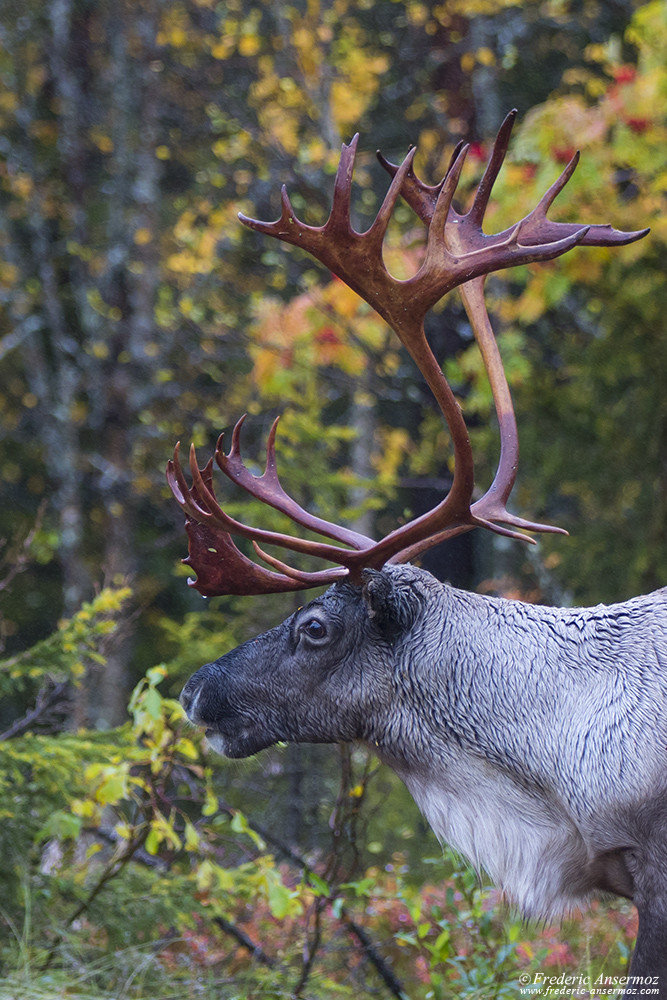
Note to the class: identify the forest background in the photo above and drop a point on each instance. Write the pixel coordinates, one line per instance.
(136, 311)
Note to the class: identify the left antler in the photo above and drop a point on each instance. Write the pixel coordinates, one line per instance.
(458, 253)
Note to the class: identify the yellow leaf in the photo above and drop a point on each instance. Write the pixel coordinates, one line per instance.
(485, 56)
(187, 748)
(248, 45)
(83, 807)
(211, 804)
(467, 62)
(191, 838)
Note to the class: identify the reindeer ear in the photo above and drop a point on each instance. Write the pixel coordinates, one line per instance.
(391, 608)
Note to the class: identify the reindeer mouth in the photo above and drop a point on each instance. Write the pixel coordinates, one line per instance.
(217, 742)
(236, 745)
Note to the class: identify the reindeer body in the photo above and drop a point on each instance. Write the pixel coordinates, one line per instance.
(534, 739)
(538, 734)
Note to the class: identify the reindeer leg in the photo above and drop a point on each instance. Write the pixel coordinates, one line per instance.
(648, 968)
(649, 960)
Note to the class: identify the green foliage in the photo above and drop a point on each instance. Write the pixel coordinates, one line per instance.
(67, 654)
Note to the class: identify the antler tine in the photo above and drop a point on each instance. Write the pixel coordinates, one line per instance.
(312, 238)
(308, 579)
(269, 490)
(374, 237)
(188, 498)
(421, 197)
(536, 225)
(222, 569)
(342, 193)
(220, 566)
(176, 480)
(210, 512)
(426, 191)
(496, 160)
(437, 243)
(550, 195)
(212, 548)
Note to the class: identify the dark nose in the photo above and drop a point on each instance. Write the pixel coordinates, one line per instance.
(200, 698)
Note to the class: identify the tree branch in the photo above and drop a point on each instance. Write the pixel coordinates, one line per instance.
(387, 975)
(239, 935)
(43, 704)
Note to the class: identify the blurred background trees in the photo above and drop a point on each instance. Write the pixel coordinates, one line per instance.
(136, 311)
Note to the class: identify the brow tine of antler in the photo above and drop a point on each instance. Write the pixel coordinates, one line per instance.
(212, 513)
(220, 566)
(222, 569)
(410, 552)
(269, 490)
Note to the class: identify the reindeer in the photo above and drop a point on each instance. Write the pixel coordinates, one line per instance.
(534, 739)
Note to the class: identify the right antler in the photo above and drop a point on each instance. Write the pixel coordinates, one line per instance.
(458, 253)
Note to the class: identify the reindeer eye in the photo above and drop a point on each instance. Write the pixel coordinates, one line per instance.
(314, 629)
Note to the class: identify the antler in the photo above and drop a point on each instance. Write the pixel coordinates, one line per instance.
(535, 230)
(458, 253)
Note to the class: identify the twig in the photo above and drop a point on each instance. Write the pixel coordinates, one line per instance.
(385, 972)
(246, 942)
(43, 704)
(18, 559)
(113, 869)
(140, 855)
(115, 866)
(344, 818)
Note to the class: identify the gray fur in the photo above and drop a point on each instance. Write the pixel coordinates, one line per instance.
(533, 739)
